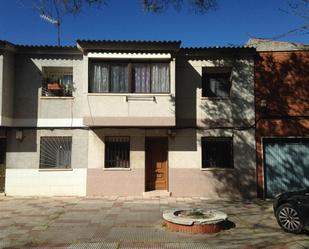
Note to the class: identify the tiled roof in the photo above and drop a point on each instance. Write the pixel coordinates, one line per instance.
(47, 49)
(44, 46)
(128, 45)
(214, 50)
(216, 47)
(24, 48)
(274, 45)
(131, 41)
(5, 44)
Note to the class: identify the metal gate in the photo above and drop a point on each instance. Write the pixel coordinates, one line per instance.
(286, 164)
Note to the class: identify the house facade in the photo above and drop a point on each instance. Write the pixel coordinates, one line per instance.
(282, 116)
(127, 118)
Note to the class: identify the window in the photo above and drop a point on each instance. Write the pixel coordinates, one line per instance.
(55, 152)
(57, 81)
(216, 82)
(117, 152)
(217, 152)
(129, 77)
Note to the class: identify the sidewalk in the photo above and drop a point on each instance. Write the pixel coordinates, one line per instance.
(133, 222)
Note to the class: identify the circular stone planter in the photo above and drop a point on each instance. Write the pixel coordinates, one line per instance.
(190, 220)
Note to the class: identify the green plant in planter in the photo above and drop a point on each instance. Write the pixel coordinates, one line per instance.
(196, 214)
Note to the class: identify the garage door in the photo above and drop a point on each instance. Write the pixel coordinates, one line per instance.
(286, 164)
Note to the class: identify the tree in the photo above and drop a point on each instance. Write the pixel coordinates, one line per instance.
(199, 6)
(56, 7)
(52, 11)
(300, 9)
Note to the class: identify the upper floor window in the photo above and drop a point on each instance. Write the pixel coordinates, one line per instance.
(216, 82)
(113, 77)
(57, 81)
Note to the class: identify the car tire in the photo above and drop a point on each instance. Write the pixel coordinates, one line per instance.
(288, 218)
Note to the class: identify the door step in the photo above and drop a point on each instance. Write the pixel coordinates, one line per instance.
(157, 193)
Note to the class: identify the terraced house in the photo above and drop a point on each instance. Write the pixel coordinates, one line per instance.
(282, 116)
(127, 118)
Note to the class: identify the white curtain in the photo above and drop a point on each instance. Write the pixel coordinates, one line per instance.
(142, 78)
(219, 87)
(160, 78)
(100, 78)
(119, 78)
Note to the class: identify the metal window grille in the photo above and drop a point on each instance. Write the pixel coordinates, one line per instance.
(55, 152)
(217, 152)
(117, 152)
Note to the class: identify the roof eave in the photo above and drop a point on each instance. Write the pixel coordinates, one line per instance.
(128, 46)
(216, 51)
(48, 50)
(8, 46)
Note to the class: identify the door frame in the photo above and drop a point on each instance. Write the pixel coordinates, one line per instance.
(4, 161)
(167, 160)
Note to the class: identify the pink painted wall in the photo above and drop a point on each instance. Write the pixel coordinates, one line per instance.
(112, 183)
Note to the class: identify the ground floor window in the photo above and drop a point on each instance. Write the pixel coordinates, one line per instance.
(217, 152)
(55, 152)
(117, 152)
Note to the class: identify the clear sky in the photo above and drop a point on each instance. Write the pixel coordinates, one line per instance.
(233, 23)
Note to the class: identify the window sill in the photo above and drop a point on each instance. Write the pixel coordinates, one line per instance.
(217, 169)
(117, 169)
(215, 98)
(48, 170)
(130, 94)
(55, 97)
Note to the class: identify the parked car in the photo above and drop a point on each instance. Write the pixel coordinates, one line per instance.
(292, 210)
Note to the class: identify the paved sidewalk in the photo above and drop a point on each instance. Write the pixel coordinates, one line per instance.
(133, 222)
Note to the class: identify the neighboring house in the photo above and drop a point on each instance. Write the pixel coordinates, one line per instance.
(127, 118)
(282, 116)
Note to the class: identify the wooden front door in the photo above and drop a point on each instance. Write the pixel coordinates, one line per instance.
(156, 163)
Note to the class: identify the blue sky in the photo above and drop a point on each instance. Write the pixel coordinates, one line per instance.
(233, 23)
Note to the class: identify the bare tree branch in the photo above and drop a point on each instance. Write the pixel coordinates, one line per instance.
(198, 6)
(57, 8)
(298, 8)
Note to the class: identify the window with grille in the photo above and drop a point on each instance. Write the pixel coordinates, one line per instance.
(217, 152)
(216, 82)
(55, 152)
(117, 152)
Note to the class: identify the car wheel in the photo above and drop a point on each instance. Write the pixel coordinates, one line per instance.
(288, 218)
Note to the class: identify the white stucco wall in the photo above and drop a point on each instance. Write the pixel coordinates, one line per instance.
(34, 182)
(236, 110)
(186, 176)
(33, 110)
(23, 175)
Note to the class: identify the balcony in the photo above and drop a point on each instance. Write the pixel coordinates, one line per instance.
(57, 82)
(139, 94)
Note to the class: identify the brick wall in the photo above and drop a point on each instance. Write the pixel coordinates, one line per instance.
(282, 83)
